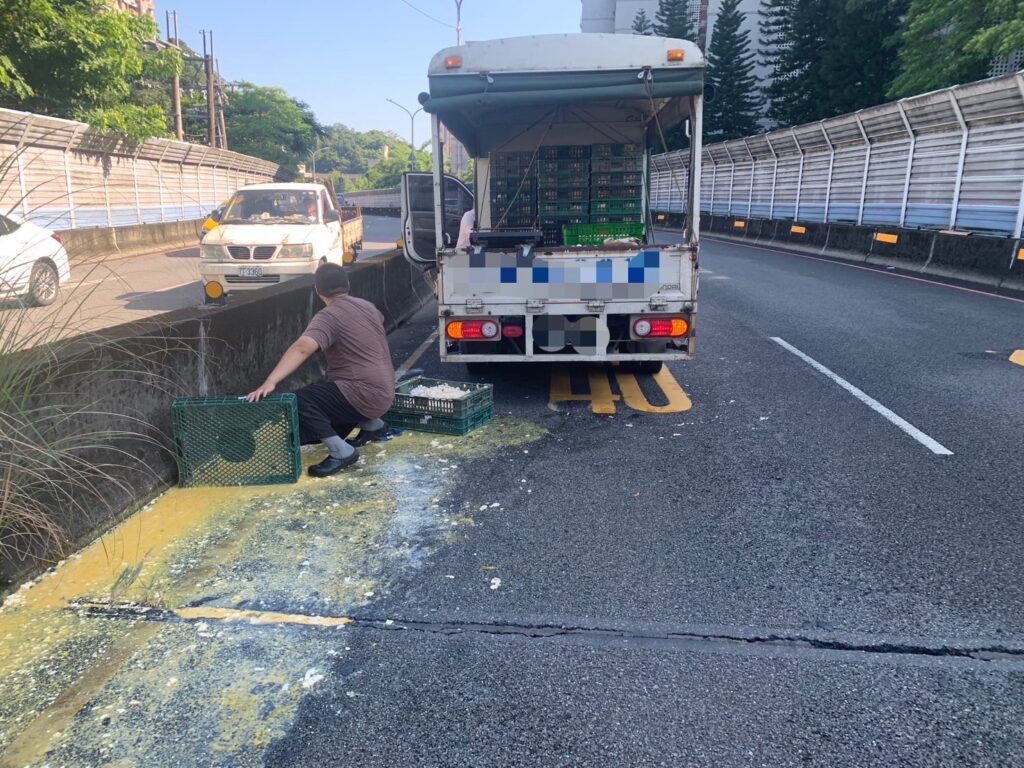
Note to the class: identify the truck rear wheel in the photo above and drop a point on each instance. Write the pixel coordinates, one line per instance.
(651, 366)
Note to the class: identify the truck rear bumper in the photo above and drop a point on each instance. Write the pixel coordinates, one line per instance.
(554, 337)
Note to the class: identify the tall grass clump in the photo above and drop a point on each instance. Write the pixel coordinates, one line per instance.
(69, 440)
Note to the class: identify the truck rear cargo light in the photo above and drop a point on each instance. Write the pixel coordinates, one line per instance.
(453, 62)
(660, 327)
(473, 330)
(676, 54)
(512, 331)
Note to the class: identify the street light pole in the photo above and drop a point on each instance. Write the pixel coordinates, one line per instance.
(458, 22)
(412, 132)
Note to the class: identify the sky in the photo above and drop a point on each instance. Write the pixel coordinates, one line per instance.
(345, 57)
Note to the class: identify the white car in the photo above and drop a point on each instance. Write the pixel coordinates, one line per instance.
(33, 262)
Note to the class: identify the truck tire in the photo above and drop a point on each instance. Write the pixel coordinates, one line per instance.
(44, 284)
(651, 366)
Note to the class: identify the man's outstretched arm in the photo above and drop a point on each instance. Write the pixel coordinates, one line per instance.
(290, 361)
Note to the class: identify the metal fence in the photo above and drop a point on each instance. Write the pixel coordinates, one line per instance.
(66, 175)
(951, 159)
(375, 198)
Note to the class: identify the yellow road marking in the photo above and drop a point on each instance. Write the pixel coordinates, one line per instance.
(602, 399)
(678, 400)
(1017, 357)
(259, 617)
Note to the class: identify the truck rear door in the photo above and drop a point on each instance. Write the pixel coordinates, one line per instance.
(418, 231)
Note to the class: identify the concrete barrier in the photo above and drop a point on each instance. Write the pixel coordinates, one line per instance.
(976, 259)
(131, 373)
(103, 243)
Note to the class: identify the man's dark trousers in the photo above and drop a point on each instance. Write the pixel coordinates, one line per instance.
(324, 412)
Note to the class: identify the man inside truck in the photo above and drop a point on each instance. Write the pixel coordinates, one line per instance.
(360, 385)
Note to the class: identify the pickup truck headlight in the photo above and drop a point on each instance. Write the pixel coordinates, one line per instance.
(303, 251)
(213, 252)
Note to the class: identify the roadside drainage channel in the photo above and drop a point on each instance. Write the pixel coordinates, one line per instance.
(81, 691)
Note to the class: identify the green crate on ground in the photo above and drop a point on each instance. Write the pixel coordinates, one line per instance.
(225, 441)
(480, 395)
(444, 425)
(596, 234)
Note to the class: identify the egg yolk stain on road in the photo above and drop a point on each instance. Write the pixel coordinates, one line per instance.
(82, 688)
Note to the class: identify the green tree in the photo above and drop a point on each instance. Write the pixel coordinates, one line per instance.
(641, 24)
(946, 42)
(672, 19)
(269, 124)
(79, 59)
(859, 59)
(734, 111)
(797, 92)
(775, 26)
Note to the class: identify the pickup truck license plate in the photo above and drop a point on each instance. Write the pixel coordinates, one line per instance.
(250, 271)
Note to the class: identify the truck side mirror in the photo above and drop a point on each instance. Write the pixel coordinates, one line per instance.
(331, 215)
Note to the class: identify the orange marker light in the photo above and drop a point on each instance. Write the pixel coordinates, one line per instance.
(453, 62)
(676, 54)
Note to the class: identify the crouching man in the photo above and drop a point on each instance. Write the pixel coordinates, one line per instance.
(360, 385)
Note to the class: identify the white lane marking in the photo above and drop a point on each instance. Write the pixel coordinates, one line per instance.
(411, 361)
(869, 401)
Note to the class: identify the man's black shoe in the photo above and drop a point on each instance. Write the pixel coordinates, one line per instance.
(331, 465)
(369, 436)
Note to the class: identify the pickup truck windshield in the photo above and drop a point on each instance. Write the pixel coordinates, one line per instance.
(272, 206)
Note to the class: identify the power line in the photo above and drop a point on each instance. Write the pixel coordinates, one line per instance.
(432, 18)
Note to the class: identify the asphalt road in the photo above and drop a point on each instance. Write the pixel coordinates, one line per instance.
(779, 576)
(786, 573)
(108, 293)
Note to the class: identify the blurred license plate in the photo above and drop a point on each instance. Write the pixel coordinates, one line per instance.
(250, 271)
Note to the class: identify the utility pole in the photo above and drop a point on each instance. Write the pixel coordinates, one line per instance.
(211, 104)
(412, 132)
(179, 128)
(221, 101)
(458, 22)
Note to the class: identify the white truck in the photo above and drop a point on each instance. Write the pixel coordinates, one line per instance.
(269, 233)
(563, 262)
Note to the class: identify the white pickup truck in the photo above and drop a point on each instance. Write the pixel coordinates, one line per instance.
(562, 263)
(269, 233)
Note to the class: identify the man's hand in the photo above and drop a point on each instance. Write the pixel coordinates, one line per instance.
(265, 389)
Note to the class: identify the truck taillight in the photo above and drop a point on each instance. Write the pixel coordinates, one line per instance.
(660, 327)
(473, 330)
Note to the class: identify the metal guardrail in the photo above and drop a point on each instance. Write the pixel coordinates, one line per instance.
(66, 175)
(375, 198)
(950, 159)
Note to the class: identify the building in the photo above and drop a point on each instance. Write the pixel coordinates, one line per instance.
(140, 7)
(617, 16)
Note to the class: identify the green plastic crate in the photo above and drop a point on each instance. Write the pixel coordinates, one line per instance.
(444, 425)
(480, 396)
(596, 234)
(616, 150)
(616, 206)
(225, 441)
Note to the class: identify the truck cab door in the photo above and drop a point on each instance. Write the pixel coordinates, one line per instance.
(418, 232)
